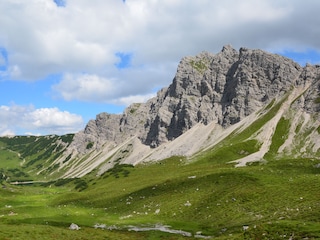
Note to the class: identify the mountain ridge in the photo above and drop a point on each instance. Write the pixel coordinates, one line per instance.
(212, 99)
(218, 89)
(172, 112)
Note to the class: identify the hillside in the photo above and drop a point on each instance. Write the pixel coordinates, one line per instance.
(206, 198)
(229, 150)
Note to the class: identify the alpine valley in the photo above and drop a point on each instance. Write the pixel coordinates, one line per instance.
(230, 150)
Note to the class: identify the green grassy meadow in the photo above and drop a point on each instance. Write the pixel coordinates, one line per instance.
(275, 200)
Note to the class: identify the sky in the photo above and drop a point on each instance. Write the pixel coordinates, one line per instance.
(62, 62)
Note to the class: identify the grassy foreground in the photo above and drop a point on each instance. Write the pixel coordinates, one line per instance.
(277, 200)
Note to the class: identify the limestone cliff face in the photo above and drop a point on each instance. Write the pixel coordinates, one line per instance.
(310, 100)
(222, 88)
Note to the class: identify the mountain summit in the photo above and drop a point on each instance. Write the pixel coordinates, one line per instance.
(210, 97)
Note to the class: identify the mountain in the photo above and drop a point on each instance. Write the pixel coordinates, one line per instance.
(254, 104)
(230, 150)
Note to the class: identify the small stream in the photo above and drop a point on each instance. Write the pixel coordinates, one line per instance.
(167, 229)
(157, 227)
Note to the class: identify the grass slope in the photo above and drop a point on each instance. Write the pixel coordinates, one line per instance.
(22, 157)
(278, 199)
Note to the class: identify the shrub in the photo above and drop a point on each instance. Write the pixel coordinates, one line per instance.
(80, 185)
(89, 145)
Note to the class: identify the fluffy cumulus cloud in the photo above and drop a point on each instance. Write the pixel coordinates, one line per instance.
(82, 39)
(85, 87)
(131, 85)
(133, 99)
(43, 120)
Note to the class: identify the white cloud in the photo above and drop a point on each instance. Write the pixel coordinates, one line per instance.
(15, 119)
(133, 99)
(84, 37)
(84, 87)
(52, 118)
(14, 71)
(131, 85)
(7, 132)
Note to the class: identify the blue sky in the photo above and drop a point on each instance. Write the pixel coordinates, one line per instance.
(60, 3)
(64, 61)
(311, 56)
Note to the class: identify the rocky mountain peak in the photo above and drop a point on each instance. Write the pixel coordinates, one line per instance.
(222, 88)
(228, 50)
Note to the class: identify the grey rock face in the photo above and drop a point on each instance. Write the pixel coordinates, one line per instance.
(97, 132)
(310, 101)
(222, 88)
